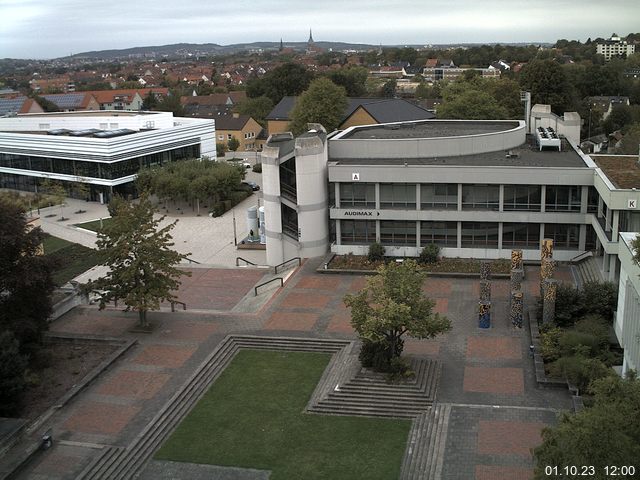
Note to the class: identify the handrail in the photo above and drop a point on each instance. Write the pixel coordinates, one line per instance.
(255, 289)
(581, 256)
(173, 305)
(275, 269)
(245, 260)
(191, 260)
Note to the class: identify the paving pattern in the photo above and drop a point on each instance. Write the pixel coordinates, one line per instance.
(494, 409)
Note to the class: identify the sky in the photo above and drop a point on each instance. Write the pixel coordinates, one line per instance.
(55, 28)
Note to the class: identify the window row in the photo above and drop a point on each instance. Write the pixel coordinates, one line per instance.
(445, 234)
(444, 196)
(108, 171)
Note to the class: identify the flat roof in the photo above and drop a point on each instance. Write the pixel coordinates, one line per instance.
(430, 129)
(526, 155)
(622, 170)
(91, 113)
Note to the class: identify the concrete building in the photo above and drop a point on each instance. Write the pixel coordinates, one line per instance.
(104, 149)
(615, 47)
(627, 319)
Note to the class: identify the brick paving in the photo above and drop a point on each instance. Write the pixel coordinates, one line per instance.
(481, 369)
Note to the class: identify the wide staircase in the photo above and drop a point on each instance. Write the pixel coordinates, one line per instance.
(423, 458)
(364, 392)
(587, 270)
(116, 463)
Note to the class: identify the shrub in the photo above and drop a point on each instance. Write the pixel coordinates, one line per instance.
(217, 209)
(572, 342)
(239, 195)
(429, 254)
(568, 305)
(376, 252)
(579, 370)
(376, 355)
(549, 344)
(594, 325)
(257, 167)
(600, 298)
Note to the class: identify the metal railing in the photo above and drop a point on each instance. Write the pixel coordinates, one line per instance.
(255, 289)
(275, 269)
(246, 261)
(191, 260)
(173, 305)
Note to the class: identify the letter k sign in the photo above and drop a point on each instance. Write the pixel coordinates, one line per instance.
(632, 203)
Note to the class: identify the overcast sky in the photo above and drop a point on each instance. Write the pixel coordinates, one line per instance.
(54, 28)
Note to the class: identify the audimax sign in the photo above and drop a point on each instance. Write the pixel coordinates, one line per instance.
(361, 213)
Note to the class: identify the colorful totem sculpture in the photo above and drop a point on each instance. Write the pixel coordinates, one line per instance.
(484, 305)
(549, 301)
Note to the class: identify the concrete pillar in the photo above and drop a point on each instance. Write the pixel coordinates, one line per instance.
(271, 200)
(501, 199)
(615, 224)
(418, 196)
(584, 199)
(500, 230)
(459, 240)
(613, 259)
(377, 188)
(582, 239)
(459, 199)
(337, 193)
(543, 199)
(418, 234)
(338, 232)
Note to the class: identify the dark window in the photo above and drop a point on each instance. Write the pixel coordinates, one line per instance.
(564, 236)
(480, 197)
(591, 238)
(289, 221)
(357, 232)
(444, 234)
(399, 196)
(439, 196)
(522, 197)
(357, 195)
(592, 201)
(521, 235)
(563, 198)
(398, 232)
(288, 179)
(479, 235)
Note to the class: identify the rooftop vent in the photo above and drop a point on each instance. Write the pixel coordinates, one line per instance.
(547, 137)
(512, 154)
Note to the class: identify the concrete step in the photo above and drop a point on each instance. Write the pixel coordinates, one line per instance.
(363, 411)
(351, 399)
(107, 457)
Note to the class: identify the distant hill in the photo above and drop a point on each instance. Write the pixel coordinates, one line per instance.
(195, 49)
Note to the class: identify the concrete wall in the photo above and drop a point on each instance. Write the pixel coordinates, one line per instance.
(271, 198)
(567, 125)
(627, 321)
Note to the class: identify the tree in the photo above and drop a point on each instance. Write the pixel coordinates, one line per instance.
(391, 305)
(620, 116)
(389, 89)
(287, 79)
(324, 102)
(25, 277)
(257, 108)
(577, 439)
(56, 193)
(353, 79)
(548, 84)
(171, 103)
(150, 101)
(233, 144)
(142, 266)
(221, 149)
(13, 366)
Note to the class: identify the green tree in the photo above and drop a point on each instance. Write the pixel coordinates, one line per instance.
(142, 266)
(150, 102)
(471, 104)
(221, 149)
(257, 108)
(13, 366)
(233, 144)
(393, 304)
(631, 140)
(287, 79)
(56, 193)
(548, 84)
(389, 89)
(577, 439)
(353, 79)
(324, 102)
(620, 116)
(171, 103)
(25, 276)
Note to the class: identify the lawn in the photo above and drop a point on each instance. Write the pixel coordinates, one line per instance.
(253, 417)
(94, 225)
(70, 259)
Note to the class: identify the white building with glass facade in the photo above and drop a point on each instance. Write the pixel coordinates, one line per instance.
(103, 149)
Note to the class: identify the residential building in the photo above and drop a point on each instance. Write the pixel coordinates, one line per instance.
(18, 104)
(104, 149)
(615, 47)
(73, 102)
(241, 127)
(606, 103)
(434, 74)
(129, 99)
(359, 111)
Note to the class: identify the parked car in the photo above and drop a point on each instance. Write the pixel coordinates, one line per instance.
(253, 185)
(246, 164)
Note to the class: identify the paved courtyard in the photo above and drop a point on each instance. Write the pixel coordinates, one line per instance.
(487, 376)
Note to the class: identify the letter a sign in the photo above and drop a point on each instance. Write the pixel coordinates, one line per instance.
(355, 177)
(632, 203)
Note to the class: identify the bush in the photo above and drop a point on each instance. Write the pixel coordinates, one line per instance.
(572, 342)
(239, 195)
(257, 168)
(13, 366)
(600, 298)
(549, 344)
(376, 355)
(429, 254)
(579, 370)
(568, 305)
(376, 252)
(217, 209)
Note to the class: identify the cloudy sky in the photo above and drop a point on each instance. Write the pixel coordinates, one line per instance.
(53, 28)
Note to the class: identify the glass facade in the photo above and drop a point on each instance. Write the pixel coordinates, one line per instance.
(560, 198)
(480, 197)
(522, 197)
(444, 234)
(289, 221)
(439, 196)
(104, 170)
(479, 235)
(288, 179)
(398, 232)
(400, 196)
(357, 232)
(521, 235)
(565, 237)
(592, 201)
(361, 195)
